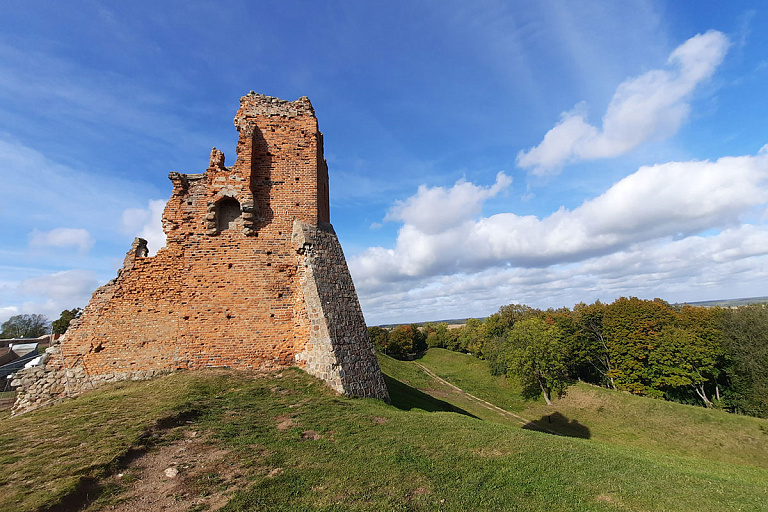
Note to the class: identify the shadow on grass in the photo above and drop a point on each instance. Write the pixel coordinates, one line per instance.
(558, 424)
(405, 397)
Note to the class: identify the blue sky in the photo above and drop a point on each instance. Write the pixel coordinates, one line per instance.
(480, 153)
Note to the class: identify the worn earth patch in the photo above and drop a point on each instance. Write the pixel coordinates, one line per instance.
(189, 473)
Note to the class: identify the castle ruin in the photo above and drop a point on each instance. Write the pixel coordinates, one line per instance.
(252, 276)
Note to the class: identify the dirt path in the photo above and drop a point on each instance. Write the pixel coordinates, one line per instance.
(484, 403)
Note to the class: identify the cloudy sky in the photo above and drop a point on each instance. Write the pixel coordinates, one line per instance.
(481, 153)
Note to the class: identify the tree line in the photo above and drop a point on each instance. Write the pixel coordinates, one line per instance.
(714, 357)
(36, 325)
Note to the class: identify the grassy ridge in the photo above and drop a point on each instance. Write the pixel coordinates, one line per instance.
(667, 427)
(475, 378)
(613, 417)
(368, 455)
(471, 374)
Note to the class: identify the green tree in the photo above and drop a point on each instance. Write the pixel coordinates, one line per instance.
(470, 337)
(512, 313)
(495, 352)
(419, 339)
(536, 355)
(703, 323)
(25, 326)
(61, 325)
(631, 328)
(379, 336)
(565, 321)
(435, 334)
(683, 360)
(494, 326)
(745, 340)
(452, 339)
(590, 348)
(400, 341)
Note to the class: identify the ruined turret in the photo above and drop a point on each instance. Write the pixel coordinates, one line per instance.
(252, 276)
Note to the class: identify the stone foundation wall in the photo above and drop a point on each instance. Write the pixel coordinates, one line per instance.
(51, 382)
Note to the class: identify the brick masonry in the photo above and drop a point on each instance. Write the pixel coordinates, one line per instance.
(252, 276)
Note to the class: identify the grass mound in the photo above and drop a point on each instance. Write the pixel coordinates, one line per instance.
(301, 447)
(603, 415)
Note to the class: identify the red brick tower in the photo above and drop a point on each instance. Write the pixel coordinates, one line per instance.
(252, 275)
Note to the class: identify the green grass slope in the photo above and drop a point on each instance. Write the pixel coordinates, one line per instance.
(471, 374)
(405, 378)
(366, 455)
(600, 414)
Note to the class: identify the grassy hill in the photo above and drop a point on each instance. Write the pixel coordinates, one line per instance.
(286, 442)
(599, 414)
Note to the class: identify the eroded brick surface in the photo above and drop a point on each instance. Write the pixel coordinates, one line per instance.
(252, 276)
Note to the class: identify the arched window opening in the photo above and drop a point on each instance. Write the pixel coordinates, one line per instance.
(228, 214)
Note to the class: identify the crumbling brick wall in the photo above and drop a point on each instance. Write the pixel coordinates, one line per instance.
(252, 275)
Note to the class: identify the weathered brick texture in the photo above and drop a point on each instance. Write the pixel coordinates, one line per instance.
(252, 276)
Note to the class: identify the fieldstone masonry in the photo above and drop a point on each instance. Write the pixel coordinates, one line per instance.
(252, 276)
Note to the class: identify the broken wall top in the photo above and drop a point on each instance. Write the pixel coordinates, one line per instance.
(253, 104)
(279, 175)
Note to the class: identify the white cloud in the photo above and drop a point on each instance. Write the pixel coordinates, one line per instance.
(652, 105)
(434, 209)
(731, 264)
(147, 223)
(646, 228)
(49, 294)
(672, 199)
(75, 286)
(38, 196)
(62, 237)
(7, 312)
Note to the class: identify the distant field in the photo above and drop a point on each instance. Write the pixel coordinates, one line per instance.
(452, 324)
(726, 303)
(285, 442)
